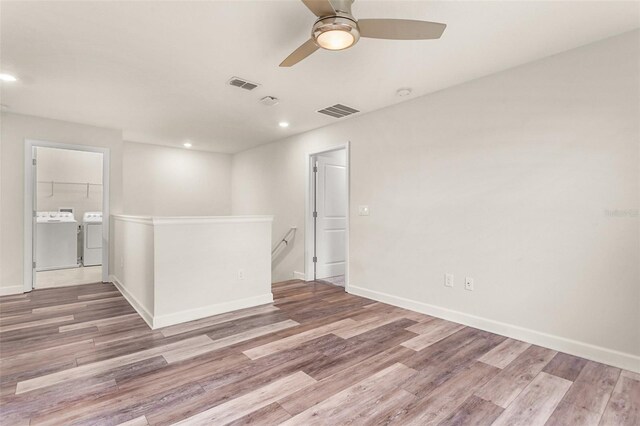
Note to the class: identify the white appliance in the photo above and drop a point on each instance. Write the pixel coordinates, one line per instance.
(92, 247)
(56, 241)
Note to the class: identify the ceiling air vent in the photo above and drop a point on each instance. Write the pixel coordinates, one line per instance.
(242, 83)
(338, 111)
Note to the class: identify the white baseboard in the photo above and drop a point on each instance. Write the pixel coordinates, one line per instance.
(142, 311)
(615, 358)
(210, 310)
(158, 321)
(298, 275)
(14, 289)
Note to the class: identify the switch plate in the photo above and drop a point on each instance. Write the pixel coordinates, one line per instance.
(363, 210)
(240, 274)
(468, 283)
(448, 280)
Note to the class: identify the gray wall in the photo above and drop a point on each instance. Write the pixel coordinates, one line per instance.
(14, 130)
(70, 170)
(145, 179)
(510, 179)
(165, 181)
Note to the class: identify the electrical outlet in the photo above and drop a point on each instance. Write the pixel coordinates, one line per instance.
(240, 274)
(448, 280)
(468, 283)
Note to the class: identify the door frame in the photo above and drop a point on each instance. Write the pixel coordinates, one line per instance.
(308, 211)
(30, 191)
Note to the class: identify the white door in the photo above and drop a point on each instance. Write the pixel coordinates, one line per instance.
(331, 221)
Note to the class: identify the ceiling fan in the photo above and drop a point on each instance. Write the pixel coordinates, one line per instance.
(337, 29)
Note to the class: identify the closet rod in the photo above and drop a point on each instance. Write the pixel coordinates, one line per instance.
(53, 182)
(69, 183)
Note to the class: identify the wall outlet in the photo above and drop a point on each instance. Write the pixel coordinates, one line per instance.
(448, 280)
(363, 210)
(468, 283)
(240, 274)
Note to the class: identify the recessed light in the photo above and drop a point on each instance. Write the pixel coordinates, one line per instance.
(283, 124)
(7, 77)
(187, 145)
(405, 91)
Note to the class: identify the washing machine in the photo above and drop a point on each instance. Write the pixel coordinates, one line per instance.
(56, 241)
(92, 247)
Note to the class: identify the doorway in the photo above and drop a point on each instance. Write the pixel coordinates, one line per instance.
(328, 216)
(66, 199)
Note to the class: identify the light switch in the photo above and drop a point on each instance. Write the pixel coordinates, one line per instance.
(363, 210)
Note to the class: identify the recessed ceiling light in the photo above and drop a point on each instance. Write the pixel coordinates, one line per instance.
(187, 145)
(405, 91)
(283, 124)
(7, 77)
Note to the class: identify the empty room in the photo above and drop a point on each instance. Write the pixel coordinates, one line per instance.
(320, 212)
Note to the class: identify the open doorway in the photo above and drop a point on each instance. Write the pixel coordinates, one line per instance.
(66, 199)
(328, 216)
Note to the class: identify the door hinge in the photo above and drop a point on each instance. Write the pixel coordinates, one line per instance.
(33, 265)
(33, 160)
(315, 169)
(34, 213)
(315, 214)
(315, 260)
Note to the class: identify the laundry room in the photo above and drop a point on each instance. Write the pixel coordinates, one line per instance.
(69, 203)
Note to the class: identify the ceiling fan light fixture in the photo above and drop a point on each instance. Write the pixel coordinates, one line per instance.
(337, 29)
(335, 39)
(335, 33)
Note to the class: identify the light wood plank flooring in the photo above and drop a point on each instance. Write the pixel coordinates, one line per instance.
(81, 355)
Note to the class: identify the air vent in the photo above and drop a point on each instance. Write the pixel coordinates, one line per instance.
(338, 111)
(242, 83)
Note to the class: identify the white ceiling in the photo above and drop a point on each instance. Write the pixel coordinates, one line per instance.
(158, 70)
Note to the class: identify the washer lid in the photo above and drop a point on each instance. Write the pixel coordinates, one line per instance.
(55, 217)
(92, 217)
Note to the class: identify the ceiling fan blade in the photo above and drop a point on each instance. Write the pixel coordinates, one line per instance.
(320, 8)
(400, 29)
(300, 53)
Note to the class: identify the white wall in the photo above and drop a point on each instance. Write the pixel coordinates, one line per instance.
(145, 179)
(133, 263)
(198, 265)
(14, 129)
(174, 270)
(65, 165)
(168, 181)
(508, 179)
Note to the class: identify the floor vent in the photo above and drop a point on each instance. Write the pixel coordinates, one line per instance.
(338, 111)
(242, 83)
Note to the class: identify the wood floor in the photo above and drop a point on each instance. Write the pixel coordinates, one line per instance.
(81, 355)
